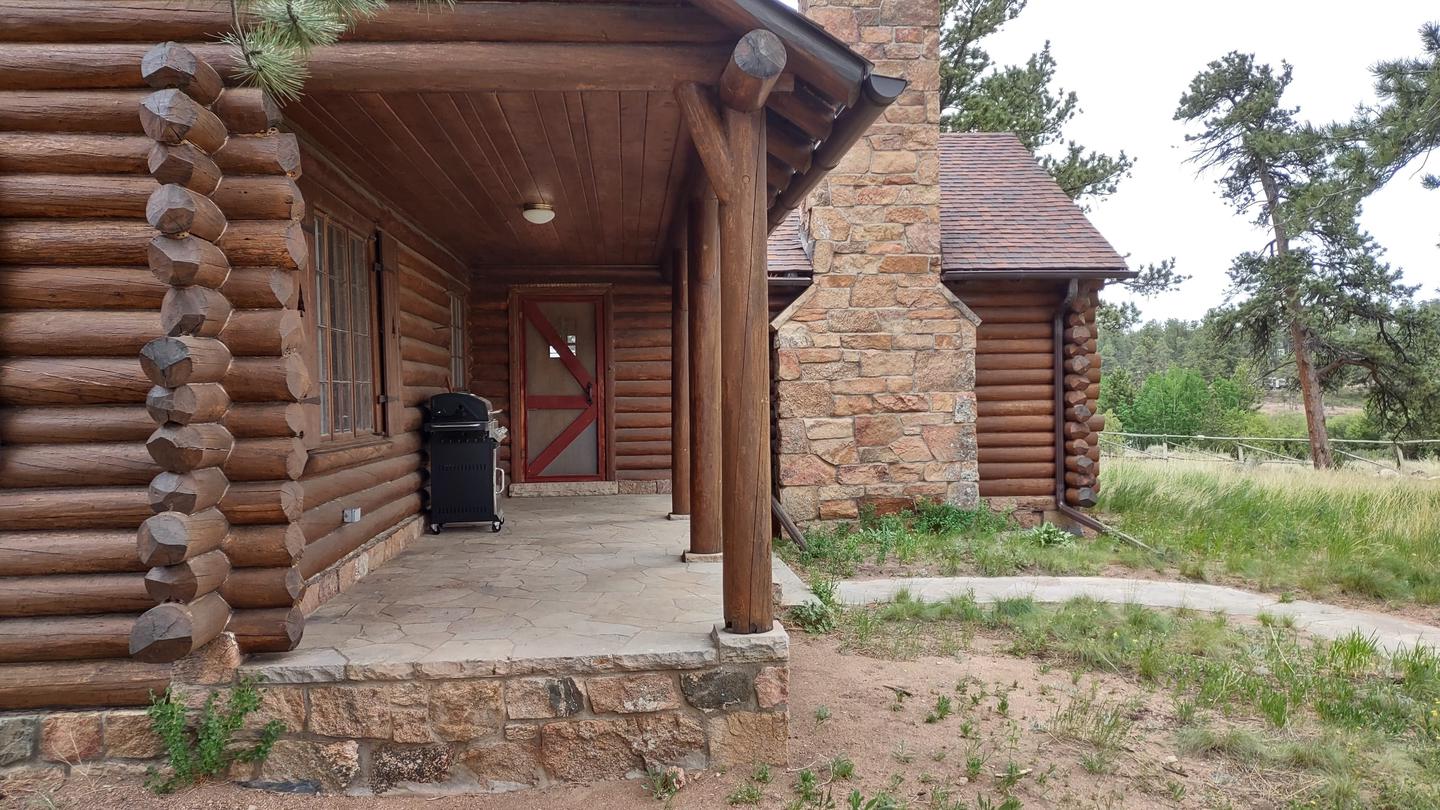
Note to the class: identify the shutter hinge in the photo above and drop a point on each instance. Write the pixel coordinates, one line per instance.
(379, 267)
(381, 399)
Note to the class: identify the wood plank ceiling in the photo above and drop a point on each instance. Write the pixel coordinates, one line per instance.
(463, 165)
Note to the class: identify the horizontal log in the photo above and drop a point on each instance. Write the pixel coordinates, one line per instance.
(48, 152)
(268, 379)
(1076, 430)
(642, 435)
(1032, 453)
(1077, 447)
(1078, 413)
(1081, 463)
(62, 638)
(1078, 480)
(326, 517)
(642, 388)
(189, 492)
(630, 447)
(1011, 393)
(99, 683)
(1097, 422)
(329, 486)
(45, 509)
(187, 404)
(79, 288)
(1034, 407)
(172, 631)
(74, 425)
(1013, 424)
(1034, 438)
(1084, 497)
(419, 351)
(424, 374)
(71, 381)
(417, 328)
(170, 116)
(273, 153)
(1019, 346)
(74, 242)
(1033, 360)
(1016, 487)
(72, 594)
(413, 395)
(1013, 331)
(1017, 470)
(185, 166)
(263, 587)
(325, 551)
(633, 371)
(1005, 294)
(250, 503)
(197, 311)
(266, 460)
(175, 361)
(1080, 349)
(53, 333)
(263, 420)
(247, 111)
(170, 538)
(261, 288)
(1079, 364)
(656, 462)
(260, 197)
(182, 448)
(60, 465)
(1074, 398)
(263, 332)
(639, 419)
(431, 310)
(187, 260)
(188, 580)
(177, 211)
(55, 111)
(94, 551)
(1022, 376)
(171, 65)
(269, 630)
(642, 404)
(990, 315)
(264, 546)
(74, 196)
(265, 243)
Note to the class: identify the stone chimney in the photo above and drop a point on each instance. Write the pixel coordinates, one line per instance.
(875, 361)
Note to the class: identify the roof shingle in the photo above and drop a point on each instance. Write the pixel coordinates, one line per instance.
(786, 253)
(1000, 211)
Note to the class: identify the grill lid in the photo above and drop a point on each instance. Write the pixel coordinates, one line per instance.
(457, 407)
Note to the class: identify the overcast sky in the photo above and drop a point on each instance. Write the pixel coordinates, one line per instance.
(1130, 60)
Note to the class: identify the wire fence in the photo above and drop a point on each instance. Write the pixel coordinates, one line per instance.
(1379, 455)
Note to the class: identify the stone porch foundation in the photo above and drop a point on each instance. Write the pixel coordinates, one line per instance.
(487, 727)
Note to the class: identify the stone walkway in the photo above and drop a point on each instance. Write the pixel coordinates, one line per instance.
(567, 578)
(1328, 621)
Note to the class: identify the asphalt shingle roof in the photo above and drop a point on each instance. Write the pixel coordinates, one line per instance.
(786, 253)
(1000, 211)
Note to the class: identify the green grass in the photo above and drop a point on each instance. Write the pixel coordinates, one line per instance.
(1282, 529)
(944, 540)
(1348, 725)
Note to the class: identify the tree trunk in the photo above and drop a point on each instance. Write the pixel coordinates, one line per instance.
(1310, 392)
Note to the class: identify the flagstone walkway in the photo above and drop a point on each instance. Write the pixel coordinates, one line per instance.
(1327, 621)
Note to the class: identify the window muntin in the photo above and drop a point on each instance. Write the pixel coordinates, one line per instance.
(344, 330)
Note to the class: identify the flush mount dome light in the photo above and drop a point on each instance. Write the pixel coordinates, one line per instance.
(538, 213)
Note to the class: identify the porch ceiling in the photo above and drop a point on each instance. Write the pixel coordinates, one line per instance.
(463, 165)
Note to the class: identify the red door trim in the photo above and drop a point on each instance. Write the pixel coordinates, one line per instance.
(595, 408)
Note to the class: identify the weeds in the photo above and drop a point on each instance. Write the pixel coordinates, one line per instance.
(208, 749)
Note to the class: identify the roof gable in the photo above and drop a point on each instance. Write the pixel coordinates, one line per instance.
(1000, 211)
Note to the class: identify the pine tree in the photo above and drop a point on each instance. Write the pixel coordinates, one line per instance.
(1320, 281)
(1406, 122)
(978, 96)
(273, 38)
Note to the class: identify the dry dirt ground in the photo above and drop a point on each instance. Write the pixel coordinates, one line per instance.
(1004, 711)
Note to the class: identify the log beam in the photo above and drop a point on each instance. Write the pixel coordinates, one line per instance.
(172, 631)
(754, 67)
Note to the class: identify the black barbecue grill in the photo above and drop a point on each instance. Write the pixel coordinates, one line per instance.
(463, 442)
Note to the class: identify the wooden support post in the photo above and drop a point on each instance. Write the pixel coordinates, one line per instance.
(745, 372)
(703, 258)
(680, 377)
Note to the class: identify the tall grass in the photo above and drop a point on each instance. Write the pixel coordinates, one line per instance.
(1284, 528)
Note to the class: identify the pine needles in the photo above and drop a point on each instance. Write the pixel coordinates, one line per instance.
(274, 38)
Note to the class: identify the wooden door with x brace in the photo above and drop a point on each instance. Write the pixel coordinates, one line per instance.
(561, 351)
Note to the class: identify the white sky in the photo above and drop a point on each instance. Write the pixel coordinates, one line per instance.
(1130, 60)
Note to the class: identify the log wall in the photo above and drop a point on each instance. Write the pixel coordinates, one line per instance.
(1080, 398)
(640, 351)
(382, 475)
(1015, 388)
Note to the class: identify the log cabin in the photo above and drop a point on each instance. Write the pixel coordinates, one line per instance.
(557, 206)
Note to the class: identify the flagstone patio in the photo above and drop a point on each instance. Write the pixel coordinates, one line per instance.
(567, 578)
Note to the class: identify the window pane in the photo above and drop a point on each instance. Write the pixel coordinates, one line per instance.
(343, 408)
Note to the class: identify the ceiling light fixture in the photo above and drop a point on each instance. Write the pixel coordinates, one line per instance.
(538, 213)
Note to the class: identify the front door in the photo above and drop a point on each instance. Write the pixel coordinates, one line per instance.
(562, 387)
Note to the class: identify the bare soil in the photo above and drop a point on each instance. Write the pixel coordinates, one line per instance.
(891, 745)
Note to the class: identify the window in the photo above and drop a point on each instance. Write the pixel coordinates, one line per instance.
(457, 341)
(345, 330)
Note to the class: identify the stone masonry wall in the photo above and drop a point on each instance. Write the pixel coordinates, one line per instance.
(875, 361)
(452, 728)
